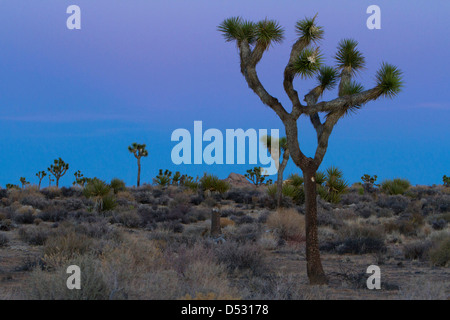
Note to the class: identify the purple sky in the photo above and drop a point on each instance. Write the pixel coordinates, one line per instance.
(140, 69)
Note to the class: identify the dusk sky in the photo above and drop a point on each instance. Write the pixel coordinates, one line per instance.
(139, 69)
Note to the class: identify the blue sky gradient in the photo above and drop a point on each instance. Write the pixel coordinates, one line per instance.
(137, 70)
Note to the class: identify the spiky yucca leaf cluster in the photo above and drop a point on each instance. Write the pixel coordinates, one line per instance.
(265, 32)
(348, 56)
(327, 77)
(308, 30)
(267, 141)
(307, 63)
(332, 186)
(138, 150)
(389, 80)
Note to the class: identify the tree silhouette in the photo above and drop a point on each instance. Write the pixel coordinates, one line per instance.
(282, 146)
(41, 175)
(58, 169)
(306, 61)
(139, 151)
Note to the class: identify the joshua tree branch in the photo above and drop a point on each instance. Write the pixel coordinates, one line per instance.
(249, 72)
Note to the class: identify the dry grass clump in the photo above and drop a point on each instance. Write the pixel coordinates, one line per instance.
(288, 223)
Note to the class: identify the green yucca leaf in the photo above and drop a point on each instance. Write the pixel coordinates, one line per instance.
(389, 80)
(348, 56)
(352, 87)
(236, 28)
(267, 141)
(327, 77)
(268, 31)
(308, 30)
(307, 63)
(296, 180)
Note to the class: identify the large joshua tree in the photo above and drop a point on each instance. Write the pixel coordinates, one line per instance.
(305, 60)
(282, 145)
(139, 151)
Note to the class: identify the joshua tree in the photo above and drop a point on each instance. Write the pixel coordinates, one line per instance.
(41, 175)
(282, 145)
(305, 60)
(24, 182)
(139, 151)
(58, 169)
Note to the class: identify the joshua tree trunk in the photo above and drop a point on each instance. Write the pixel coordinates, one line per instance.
(139, 172)
(280, 177)
(314, 267)
(57, 182)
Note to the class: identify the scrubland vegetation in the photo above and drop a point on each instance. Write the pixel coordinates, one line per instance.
(154, 241)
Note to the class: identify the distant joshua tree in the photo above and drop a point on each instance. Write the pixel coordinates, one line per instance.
(24, 182)
(139, 151)
(41, 175)
(305, 60)
(282, 146)
(58, 169)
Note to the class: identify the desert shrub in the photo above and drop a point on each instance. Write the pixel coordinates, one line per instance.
(246, 256)
(117, 185)
(5, 225)
(36, 200)
(68, 244)
(438, 224)
(296, 193)
(355, 198)
(245, 233)
(4, 240)
(396, 203)
(356, 239)
(329, 219)
(212, 183)
(72, 192)
(70, 204)
(34, 235)
(198, 214)
(440, 253)
(242, 195)
(333, 185)
(96, 188)
(51, 192)
(128, 218)
(53, 214)
(144, 196)
(24, 215)
(288, 223)
(417, 250)
(395, 186)
(51, 285)
(244, 219)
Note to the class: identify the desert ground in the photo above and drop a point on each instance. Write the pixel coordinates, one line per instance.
(154, 242)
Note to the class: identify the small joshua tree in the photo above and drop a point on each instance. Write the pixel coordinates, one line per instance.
(139, 151)
(24, 182)
(58, 169)
(256, 177)
(446, 181)
(41, 175)
(282, 145)
(253, 39)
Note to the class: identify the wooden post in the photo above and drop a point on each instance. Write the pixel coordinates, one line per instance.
(215, 223)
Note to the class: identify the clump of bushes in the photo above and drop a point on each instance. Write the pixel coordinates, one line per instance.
(331, 184)
(100, 191)
(118, 185)
(440, 253)
(395, 186)
(357, 239)
(211, 183)
(288, 224)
